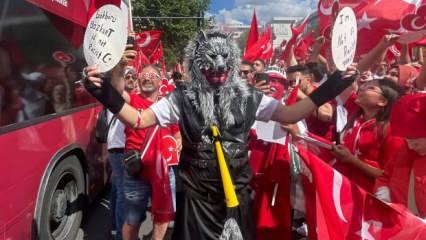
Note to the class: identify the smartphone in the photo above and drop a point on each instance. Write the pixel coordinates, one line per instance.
(261, 77)
(130, 40)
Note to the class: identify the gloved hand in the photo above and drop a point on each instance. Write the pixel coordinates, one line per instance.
(99, 86)
(334, 85)
(383, 193)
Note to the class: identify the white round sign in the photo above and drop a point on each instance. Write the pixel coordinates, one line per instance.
(343, 39)
(105, 37)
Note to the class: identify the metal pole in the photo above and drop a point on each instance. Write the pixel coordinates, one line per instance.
(130, 16)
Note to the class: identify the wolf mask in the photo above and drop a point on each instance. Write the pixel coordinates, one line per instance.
(212, 61)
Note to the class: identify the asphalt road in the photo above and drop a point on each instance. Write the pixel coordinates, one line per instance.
(96, 223)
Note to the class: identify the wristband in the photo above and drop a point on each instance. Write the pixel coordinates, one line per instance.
(331, 88)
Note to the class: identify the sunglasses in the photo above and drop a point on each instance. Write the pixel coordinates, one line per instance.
(244, 72)
(150, 76)
(130, 76)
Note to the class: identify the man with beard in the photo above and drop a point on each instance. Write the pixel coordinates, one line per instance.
(215, 95)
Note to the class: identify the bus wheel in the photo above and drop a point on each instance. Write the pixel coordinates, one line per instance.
(62, 208)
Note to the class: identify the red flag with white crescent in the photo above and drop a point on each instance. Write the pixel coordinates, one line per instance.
(169, 150)
(342, 210)
(263, 48)
(148, 41)
(415, 21)
(376, 18)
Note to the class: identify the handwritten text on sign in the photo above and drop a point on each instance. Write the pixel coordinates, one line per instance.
(344, 37)
(105, 38)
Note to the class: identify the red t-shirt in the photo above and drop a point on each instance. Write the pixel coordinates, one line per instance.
(135, 137)
(155, 168)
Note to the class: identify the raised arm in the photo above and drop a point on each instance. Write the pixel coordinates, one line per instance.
(377, 52)
(334, 85)
(100, 87)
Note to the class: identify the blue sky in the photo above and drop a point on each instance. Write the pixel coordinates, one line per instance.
(241, 11)
(217, 5)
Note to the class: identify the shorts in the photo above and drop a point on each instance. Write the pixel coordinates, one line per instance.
(137, 192)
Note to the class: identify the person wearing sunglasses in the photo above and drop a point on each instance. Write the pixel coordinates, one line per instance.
(130, 79)
(246, 71)
(366, 137)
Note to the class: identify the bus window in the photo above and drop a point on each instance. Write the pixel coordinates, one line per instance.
(40, 71)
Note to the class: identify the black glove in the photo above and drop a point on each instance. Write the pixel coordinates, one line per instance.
(331, 88)
(106, 94)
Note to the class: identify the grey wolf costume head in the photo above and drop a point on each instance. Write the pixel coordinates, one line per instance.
(212, 61)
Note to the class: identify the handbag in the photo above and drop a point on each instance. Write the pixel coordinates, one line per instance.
(133, 158)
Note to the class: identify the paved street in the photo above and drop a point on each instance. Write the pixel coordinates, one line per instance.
(97, 222)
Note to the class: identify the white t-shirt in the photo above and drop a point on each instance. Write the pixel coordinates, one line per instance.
(116, 136)
(168, 112)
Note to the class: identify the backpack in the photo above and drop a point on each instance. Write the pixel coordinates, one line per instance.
(103, 126)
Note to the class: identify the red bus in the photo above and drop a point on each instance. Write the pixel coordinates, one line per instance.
(50, 162)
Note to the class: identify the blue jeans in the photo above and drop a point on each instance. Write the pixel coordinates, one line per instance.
(137, 192)
(115, 160)
(172, 180)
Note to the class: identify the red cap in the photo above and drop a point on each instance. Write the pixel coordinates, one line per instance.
(408, 117)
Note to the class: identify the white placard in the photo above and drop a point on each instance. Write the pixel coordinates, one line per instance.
(344, 37)
(105, 37)
(270, 132)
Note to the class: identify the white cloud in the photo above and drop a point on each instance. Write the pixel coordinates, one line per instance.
(265, 10)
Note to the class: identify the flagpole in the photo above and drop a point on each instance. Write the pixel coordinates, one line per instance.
(130, 16)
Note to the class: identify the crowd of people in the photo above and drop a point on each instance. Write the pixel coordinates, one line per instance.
(373, 122)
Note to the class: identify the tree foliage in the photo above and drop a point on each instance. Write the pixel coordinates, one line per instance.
(176, 32)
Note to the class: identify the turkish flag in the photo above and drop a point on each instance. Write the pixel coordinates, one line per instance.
(295, 33)
(301, 51)
(342, 210)
(157, 54)
(148, 41)
(327, 10)
(168, 148)
(415, 21)
(253, 36)
(263, 48)
(378, 18)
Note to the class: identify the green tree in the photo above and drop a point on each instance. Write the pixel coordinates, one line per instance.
(176, 32)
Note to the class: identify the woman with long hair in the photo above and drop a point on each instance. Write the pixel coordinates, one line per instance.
(365, 139)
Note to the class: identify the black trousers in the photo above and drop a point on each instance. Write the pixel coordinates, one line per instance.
(203, 218)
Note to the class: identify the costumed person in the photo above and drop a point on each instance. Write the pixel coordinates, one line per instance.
(404, 178)
(366, 136)
(213, 96)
